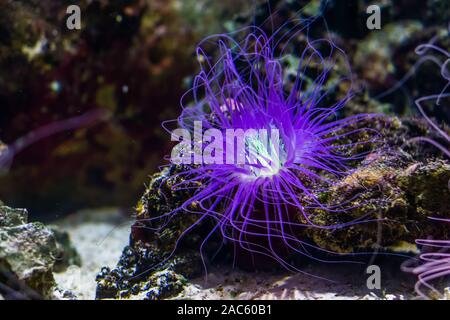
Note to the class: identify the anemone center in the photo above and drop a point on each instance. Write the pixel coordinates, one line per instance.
(265, 156)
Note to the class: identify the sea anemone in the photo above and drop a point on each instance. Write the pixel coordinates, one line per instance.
(262, 203)
(435, 257)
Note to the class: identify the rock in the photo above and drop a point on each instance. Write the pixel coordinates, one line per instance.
(27, 253)
(28, 256)
(140, 274)
(12, 217)
(401, 195)
(398, 186)
(28, 249)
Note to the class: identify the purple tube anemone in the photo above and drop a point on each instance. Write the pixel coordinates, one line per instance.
(435, 257)
(261, 203)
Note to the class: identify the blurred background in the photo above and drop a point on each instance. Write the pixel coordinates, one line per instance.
(135, 58)
(131, 58)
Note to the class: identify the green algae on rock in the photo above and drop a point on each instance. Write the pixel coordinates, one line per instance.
(398, 186)
(386, 193)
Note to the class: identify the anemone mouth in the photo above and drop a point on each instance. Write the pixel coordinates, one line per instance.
(265, 156)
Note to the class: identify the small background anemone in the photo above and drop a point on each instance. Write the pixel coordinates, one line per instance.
(435, 257)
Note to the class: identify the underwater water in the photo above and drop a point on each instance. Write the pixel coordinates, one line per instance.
(241, 150)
